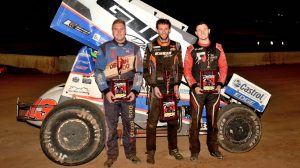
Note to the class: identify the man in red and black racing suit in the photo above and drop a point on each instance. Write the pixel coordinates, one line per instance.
(203, 56)
(161, 55)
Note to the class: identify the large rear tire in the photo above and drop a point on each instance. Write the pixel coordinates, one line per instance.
(73, 133)
(239, 128)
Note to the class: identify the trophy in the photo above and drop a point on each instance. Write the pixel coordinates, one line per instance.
(208, 81)
(168, 102)
(119, 86)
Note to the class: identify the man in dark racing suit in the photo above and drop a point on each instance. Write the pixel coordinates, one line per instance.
(105, 71)
(161, 55)
(204, 56)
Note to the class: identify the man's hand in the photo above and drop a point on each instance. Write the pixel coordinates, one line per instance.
(218, 89)
(198, 90)
(109, 96)
(131, 97)
(176, 91)
(157, 92)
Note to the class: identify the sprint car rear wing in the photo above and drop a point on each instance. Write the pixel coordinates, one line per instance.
(247, 93)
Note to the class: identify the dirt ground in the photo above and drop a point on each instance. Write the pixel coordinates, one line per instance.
(279, 146)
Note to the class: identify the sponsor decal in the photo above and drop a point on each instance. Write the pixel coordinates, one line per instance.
(74, 89)
(97, 37)
(86, 80)
(58, 156)
(199, 56)
(83, 62)
(244, 99)
(84, 114)
(131, 116)
(76, 26)
(197, 49)
(79, 67)
(75, 79)
(246, 88)
(184, 91)
(163, 53)
(125, 64)
(203, 126)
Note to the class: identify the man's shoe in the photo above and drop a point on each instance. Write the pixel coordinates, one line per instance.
(194, 156)
(176, 154)
(134, 159)
(150, 157)
(217, 154)
(109, 162)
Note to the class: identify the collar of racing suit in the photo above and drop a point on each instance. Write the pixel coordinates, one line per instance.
(120, 44)
(161, 43)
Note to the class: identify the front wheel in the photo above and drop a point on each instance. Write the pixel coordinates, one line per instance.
(73, 133)
(239, 128)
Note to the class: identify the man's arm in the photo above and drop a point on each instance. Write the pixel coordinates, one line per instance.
(178, 70)
(223, 67)
(149, 66)
(188, 65)
(138, 76)
(179, 66)
(100, 77)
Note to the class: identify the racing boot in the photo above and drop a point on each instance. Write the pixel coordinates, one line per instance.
(176, 154)
(150, 157)
(194, 156)
(109, 162)
(134, 159)
(217, 154)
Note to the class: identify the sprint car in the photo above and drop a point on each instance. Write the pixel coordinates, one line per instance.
(71, 116)
(72, 125)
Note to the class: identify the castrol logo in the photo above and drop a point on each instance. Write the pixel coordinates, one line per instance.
(250, 90)
(237, 83)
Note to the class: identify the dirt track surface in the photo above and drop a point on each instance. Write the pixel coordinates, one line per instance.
(279, 146)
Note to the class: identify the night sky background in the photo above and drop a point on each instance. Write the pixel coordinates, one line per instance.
(25, 25)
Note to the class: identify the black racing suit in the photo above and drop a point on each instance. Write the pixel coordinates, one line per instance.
(160, 57)
(105, 71)
(204, 57)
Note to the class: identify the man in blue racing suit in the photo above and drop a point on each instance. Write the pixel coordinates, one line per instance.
(105, 71)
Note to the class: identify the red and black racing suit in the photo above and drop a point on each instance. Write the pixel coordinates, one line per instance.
(159, 57)
(204, 57)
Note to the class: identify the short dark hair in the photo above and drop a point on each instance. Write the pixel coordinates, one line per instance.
(163, 21)
(119, 21)
(201, 23)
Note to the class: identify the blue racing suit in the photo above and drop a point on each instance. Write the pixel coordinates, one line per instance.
(105, 71)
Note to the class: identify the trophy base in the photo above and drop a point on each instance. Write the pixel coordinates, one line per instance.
(119, 89)
(208, 80)
(168, 108)
(121, 99)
